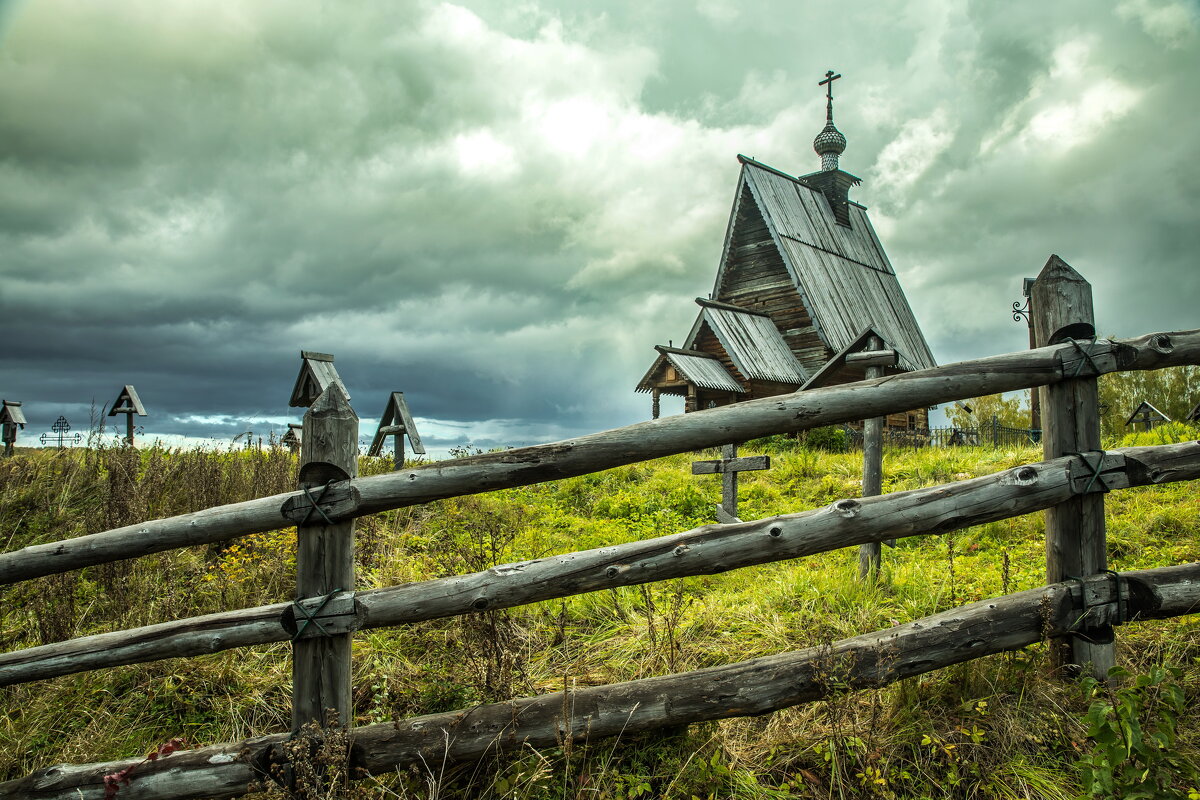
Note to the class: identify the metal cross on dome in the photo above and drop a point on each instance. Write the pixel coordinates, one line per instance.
(828, 83)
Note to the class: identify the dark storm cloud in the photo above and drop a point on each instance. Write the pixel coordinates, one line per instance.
(497, 208)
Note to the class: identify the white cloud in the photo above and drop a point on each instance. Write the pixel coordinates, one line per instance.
(1070, 105)
(915, 149)
(1171, 23)
(481, 155)
(1070, 124)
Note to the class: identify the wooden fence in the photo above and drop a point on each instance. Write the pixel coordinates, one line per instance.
(1070, 481)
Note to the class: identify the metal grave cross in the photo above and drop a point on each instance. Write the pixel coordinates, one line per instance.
(728, 466)
(60, 428)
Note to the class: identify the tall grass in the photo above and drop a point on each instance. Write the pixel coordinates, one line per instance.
(999, 727)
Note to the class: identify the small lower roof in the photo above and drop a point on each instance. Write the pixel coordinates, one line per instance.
(701, 369)
(752, 341)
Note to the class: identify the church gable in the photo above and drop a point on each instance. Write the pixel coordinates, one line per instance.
(840, 272)
(753, 276)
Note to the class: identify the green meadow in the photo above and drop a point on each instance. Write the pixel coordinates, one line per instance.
(999, 727)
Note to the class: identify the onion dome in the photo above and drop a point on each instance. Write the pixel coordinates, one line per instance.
(829, 144)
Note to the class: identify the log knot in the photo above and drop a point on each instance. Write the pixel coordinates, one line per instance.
(847, 508)
(1020, 476)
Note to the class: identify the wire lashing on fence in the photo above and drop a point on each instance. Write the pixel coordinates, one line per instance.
(1103, 632)
(1087, 359)
(316, 505)
(311, 616)
(1095, 469)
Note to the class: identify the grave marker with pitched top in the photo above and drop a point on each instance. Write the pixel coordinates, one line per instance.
(128, 403)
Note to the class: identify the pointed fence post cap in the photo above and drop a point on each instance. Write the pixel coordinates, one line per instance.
(1061, 301)
(1058, 270)
(331, 402)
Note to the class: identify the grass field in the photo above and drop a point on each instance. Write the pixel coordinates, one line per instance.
(999, 727)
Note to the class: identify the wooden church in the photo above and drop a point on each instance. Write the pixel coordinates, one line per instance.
(803, 287)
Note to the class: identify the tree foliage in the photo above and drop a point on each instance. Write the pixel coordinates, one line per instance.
(1011, 412)
(1174, 391)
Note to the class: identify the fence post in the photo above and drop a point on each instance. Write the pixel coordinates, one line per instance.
(1075, 529)
(870, 555)
(325, 561)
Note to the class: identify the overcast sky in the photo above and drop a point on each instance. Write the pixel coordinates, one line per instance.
(499, 207)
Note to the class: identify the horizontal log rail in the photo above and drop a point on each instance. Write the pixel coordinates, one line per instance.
(745, 688)
(703, 551)
(639, 442)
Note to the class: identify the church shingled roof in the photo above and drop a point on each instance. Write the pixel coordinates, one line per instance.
(702, 369)
(842, 274)
(752, 341)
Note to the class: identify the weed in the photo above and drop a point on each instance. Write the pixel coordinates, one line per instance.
(315, 764)
(1133, 731)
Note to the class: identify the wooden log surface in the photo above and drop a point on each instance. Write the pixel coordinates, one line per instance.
(1075, 529)
(632, 443)
(702, 551)
(872, 358)
(325, 562)
(757, 686)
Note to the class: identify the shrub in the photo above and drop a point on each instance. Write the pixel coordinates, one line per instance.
(831, 440)
(1133, 730)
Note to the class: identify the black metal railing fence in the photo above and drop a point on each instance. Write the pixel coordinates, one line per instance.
(988, 434)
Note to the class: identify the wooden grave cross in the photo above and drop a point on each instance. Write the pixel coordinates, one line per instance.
(1147, 415)
(12, 418)
(317, 374)
(728, 466)
(291, 439)
(128, 403)
(397, 422)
